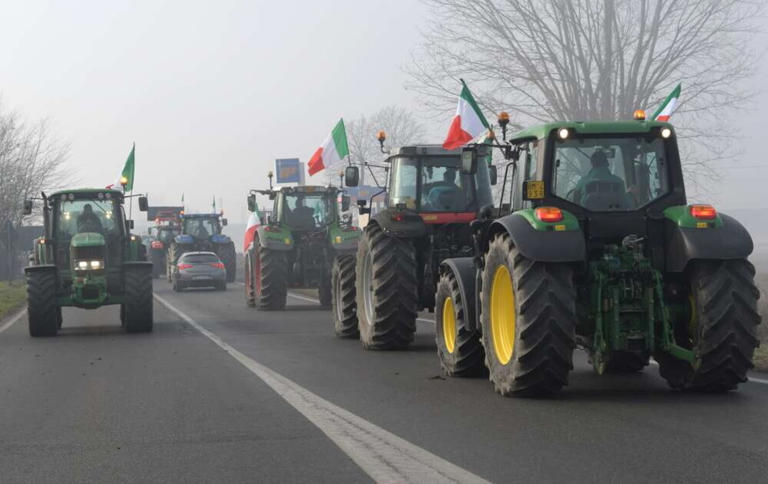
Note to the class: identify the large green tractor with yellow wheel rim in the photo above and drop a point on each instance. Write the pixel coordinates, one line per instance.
(88, 258)
(599, 250)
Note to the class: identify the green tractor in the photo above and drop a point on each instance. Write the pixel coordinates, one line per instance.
(426, 219)
(598, 248)
(202, 232)
(87, 258)
(302, 240)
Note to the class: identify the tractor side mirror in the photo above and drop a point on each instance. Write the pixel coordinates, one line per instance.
(492, 174)
(469, 161)
(143, 204)
(344, 203)
(27, 207)
(252, 202)
(224, 222)
(351, 176)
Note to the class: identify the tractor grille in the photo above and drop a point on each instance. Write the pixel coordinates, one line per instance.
(90, 292)
(88, 253)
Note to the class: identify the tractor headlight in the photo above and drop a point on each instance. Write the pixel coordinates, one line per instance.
(84, 265)
(96, 264)
(666, 133)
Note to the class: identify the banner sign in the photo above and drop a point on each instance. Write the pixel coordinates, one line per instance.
(288, 170)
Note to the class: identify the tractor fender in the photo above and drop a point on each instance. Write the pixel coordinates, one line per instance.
(540, 245)
(40, 268)
(273, 240)
(728, 241)
(220, 239)
(405, 224)
(463, 269)
(184, 239)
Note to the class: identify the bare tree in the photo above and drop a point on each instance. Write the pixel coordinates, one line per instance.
(546, 60)
(400, 125)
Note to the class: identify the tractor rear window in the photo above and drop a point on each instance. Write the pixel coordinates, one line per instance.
(611, 173)
(305, 210)
(200, 259)
(200, 227)
(432, 184)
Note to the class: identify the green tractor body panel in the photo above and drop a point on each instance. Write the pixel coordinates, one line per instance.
(569, 222)
(681, 216)
(87, 258)
(275, 237)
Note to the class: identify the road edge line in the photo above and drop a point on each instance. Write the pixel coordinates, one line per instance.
(384, 456)
(13, 320)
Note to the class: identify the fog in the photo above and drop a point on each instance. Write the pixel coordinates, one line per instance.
(212, 93)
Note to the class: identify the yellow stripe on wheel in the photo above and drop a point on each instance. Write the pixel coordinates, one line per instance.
(502, 315)
(449, 325)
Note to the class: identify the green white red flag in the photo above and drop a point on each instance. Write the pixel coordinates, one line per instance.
(126, 176)
(668, 106)
(468, 123)
(333, 150)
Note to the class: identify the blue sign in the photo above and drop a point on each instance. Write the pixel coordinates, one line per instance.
(288, 170)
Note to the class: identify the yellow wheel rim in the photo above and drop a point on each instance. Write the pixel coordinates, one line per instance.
(449, 325)
(502, 315)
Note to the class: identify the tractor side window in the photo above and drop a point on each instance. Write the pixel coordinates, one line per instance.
(526, 170)
(404, 182)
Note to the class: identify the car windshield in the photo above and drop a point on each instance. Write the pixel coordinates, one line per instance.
(79, 216)
(431, 184)
(200, 258)
(610, 173)
(305, 210)
(200, 227)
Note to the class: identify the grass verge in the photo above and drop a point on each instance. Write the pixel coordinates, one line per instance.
(12, 296)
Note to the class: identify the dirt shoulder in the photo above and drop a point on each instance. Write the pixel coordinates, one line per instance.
(12, 297)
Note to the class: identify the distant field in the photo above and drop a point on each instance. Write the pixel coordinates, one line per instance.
(11, 296)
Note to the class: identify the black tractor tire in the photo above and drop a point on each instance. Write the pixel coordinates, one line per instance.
(324, 292)
(458, 347)
(42, 310)
(543, 304)
(138, 306)
(248, 283)
(269, 276)
(174, 252)
(59, 317)
(226, 253)
(724, 338)
(343, 297)
(388, 320)
(158, 263)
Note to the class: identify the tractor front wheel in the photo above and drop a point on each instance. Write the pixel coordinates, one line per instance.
(458, 347)
(344, 305)
(137, 309)
(387, 290)
(528, 318)
(42, 310)
(721, 328)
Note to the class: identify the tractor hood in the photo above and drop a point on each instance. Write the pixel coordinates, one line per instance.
(88, 239)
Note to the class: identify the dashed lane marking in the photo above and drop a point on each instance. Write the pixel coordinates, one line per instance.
(13, 320)
(382, 455)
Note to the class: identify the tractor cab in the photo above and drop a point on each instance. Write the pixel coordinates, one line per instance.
(305, 208)
(202, 226)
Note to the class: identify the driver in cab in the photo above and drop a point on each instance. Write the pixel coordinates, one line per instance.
(88, 221)
(600, 172)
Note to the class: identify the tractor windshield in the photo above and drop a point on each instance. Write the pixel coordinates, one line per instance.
(305, 211)
(618, 173)
(79, 216)
(433, 184)
(201, 228)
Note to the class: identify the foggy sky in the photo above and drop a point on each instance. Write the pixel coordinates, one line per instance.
(213, 92)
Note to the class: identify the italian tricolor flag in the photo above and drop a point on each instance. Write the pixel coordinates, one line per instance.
(250, 229)
(469, 122)
(332, 151)
(668, 106)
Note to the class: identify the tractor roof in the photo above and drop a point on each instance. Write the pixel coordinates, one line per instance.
(88, 191)
(200, 215)
(430, 150)
(307, 189)
(589, 127)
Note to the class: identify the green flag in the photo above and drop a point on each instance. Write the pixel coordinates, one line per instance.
(126, 178)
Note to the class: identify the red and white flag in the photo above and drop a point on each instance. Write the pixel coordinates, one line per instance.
(467, 124)
(333, 150)
(250, 229)
(668, 106)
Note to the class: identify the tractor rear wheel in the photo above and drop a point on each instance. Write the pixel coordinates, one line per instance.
(250, 289)
(138, 300)
(387, 290)
(528, 318)
(324, 292)
(42, 310)
(269, 277)
(158, 263)
(722, 327)
(344, 305)
(226, 253)
(458, 347)
(174, 252)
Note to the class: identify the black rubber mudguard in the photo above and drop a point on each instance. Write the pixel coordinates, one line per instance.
(541, 245)
(463, 269)
(731, 241)
(403, 224)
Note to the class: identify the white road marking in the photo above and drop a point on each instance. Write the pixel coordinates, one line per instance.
(425, 320)
(13, 320)
(382, 455)
(304, 298)
(758, 380)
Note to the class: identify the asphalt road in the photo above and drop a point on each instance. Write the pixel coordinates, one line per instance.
(221, 392)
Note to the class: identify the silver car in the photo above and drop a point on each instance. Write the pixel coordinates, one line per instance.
(199, 269)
